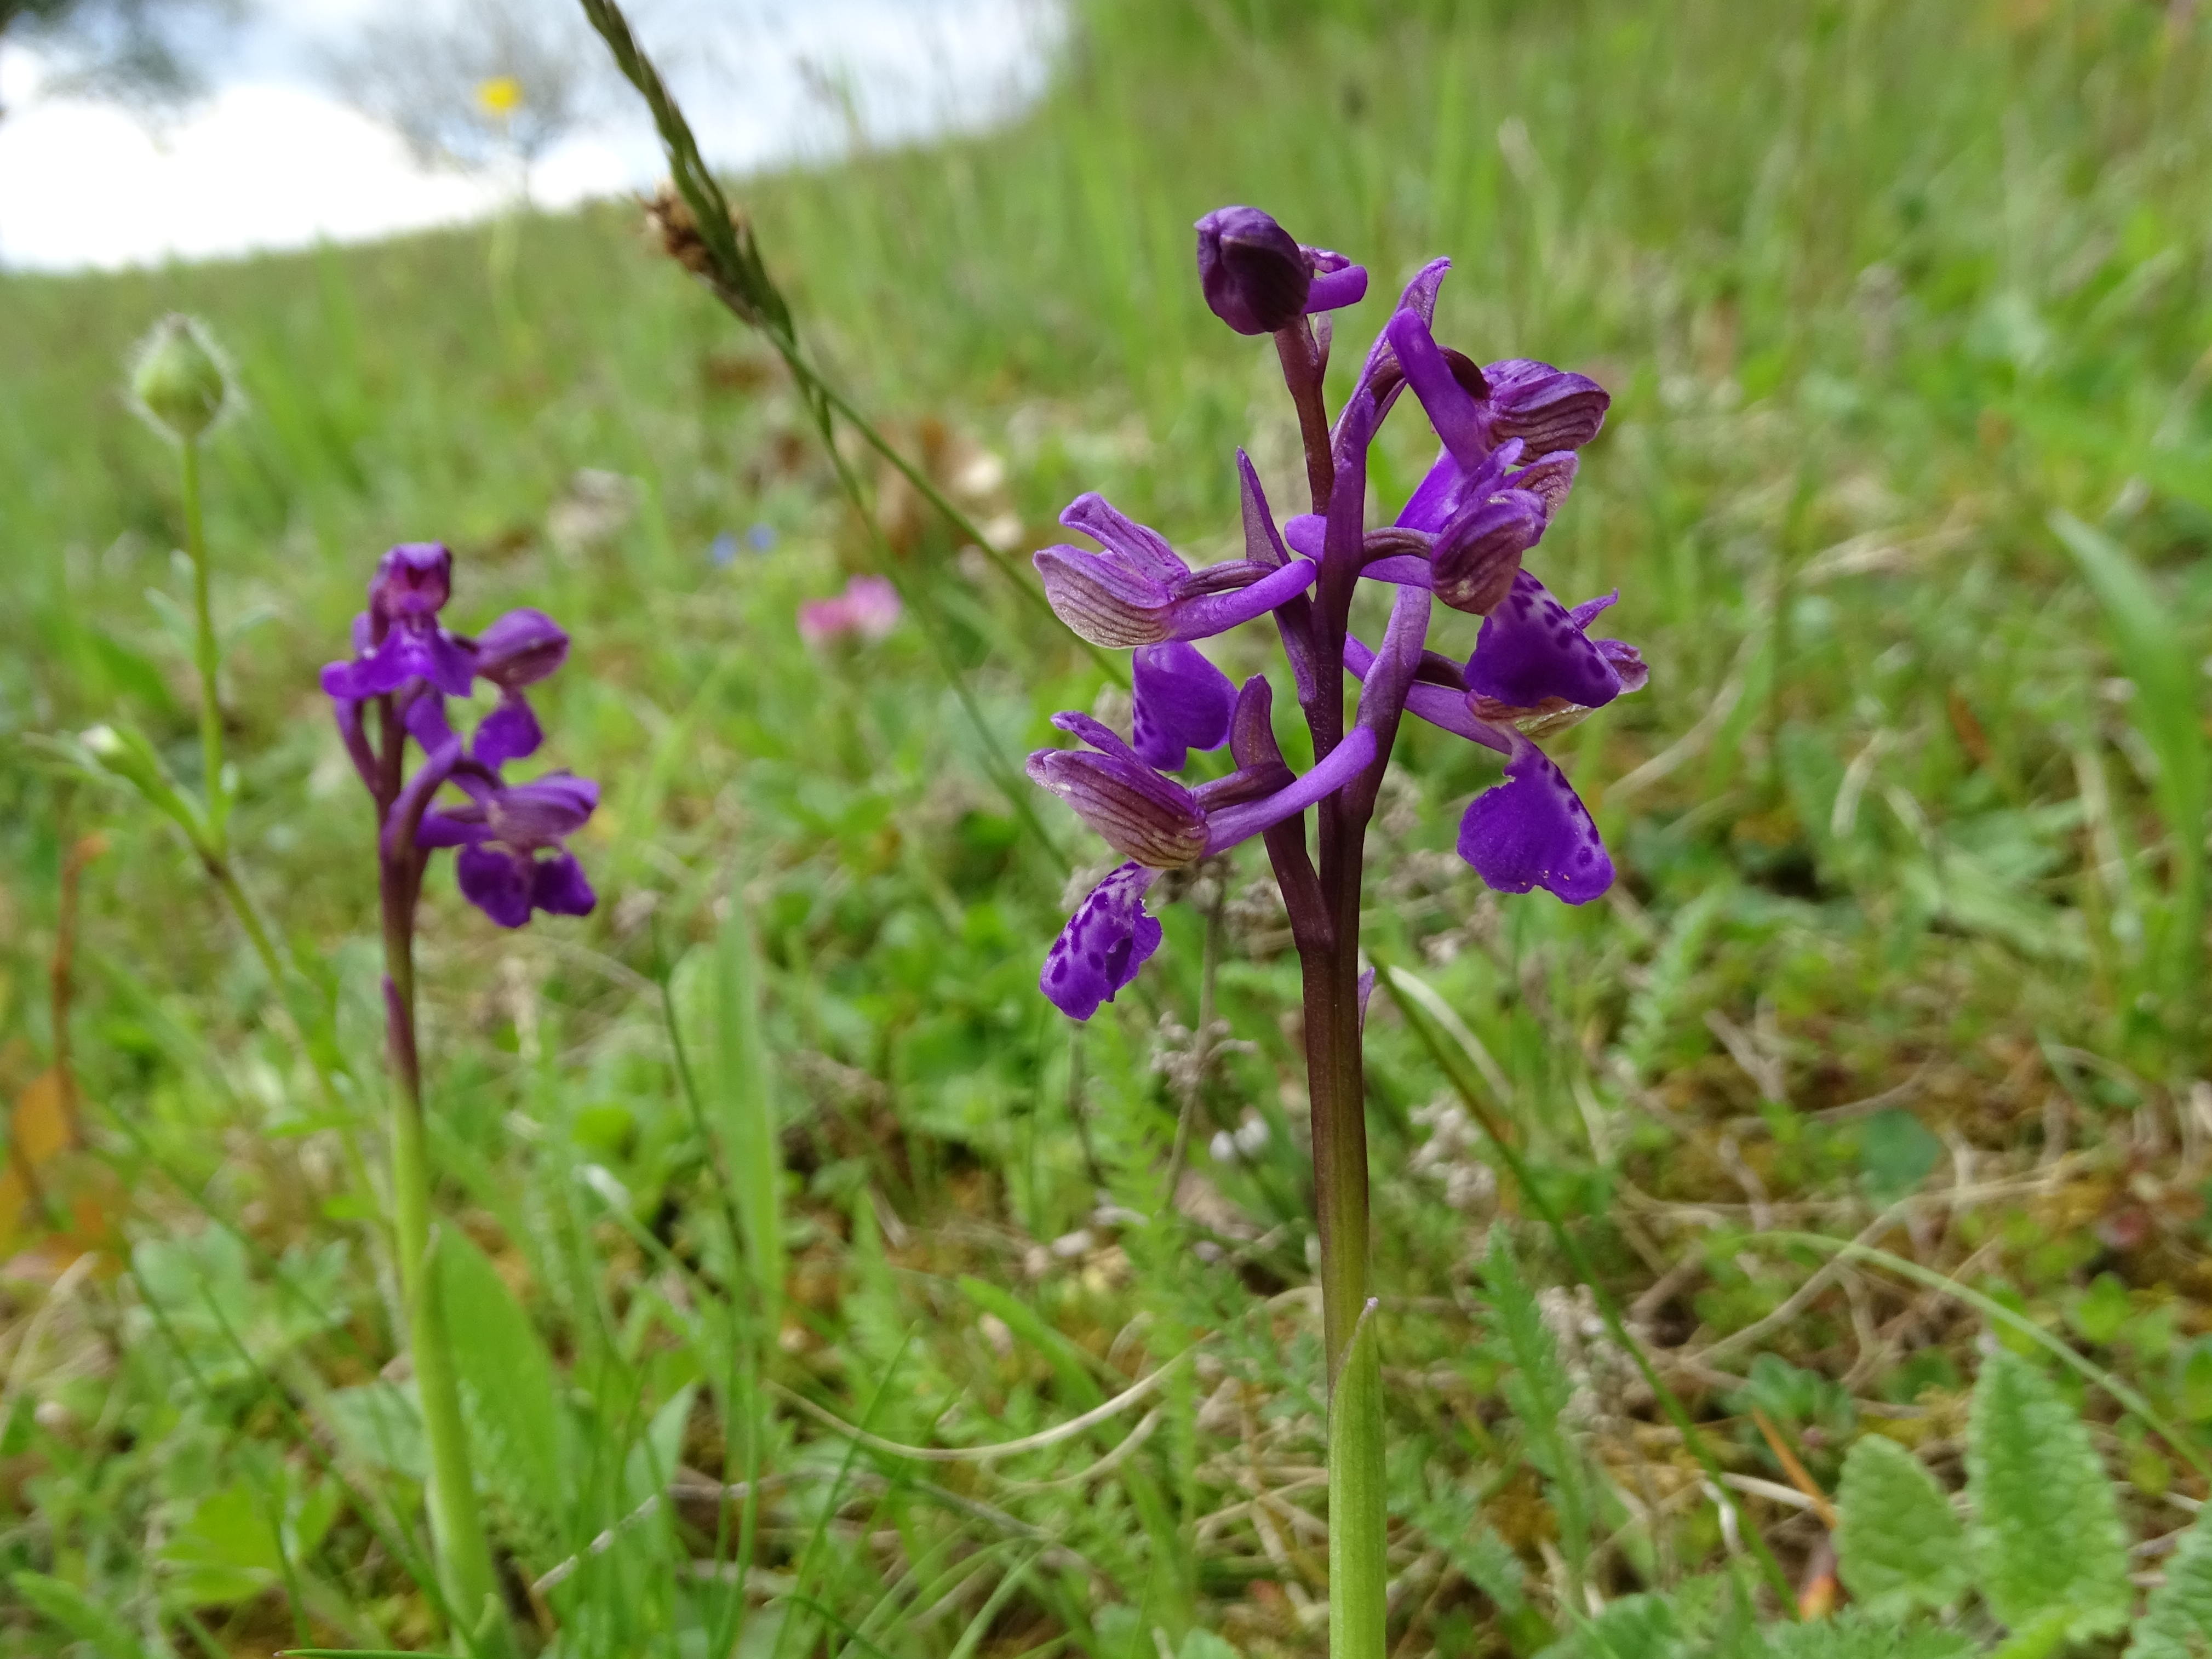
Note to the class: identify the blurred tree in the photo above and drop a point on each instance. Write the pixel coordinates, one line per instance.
(142, 52)
(472, 83)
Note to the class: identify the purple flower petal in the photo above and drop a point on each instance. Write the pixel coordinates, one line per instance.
(1141, 549)
(1101, 600)
(1143, 816)
(1533, 831)
(1550, 408)
(463, 827)
(559, 887)
(1181, 703)
(1107, 938)
(520, 648)
(1476, 561)
(414, 649)
(1530, 649)
(497, 882)
(509, 732)
(400, 658)
(1627, 662)
(1333, 290)
(539, 813)
(1589, 610)
(1548, 477)
(1430, 506)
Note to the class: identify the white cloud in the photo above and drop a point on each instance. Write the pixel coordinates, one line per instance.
(273, 161)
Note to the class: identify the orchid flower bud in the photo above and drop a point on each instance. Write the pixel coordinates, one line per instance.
(1479, 553)
(1142, 815)
(1254, 275)
(177, 381)
(521, 648)
(1548, 408)
(413, 580)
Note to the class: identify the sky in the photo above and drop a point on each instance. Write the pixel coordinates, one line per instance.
(273, 157)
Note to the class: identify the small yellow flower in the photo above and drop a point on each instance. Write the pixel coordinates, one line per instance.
(502, 95)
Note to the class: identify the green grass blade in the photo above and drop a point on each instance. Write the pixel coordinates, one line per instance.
(2166, 710)
(2183, 1446)
(1415, 997)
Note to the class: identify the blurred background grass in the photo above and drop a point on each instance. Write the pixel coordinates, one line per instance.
(1905, 917)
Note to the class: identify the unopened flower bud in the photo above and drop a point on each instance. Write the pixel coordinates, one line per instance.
(1254, 275)
(1142, 815)
(1479, 553)
(1547, 407)
(413, 579)
(178, 381)
(521, 648)
(1103, 601)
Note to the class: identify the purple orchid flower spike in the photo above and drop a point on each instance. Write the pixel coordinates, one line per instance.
(398, 639)
(1509, 434)
(514, 859)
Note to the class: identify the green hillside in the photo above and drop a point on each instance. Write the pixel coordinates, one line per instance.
(1906, 311)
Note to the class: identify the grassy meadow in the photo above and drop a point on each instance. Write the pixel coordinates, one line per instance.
(1906, 309)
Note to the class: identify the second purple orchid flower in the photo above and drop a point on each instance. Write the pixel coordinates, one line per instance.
(1509, 432)
(512, 858)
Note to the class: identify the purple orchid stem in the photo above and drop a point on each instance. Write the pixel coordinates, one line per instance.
(470, 1580)
(1509, 432)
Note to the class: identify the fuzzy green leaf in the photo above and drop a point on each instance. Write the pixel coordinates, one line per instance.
(506, 1380)
(2177, 1624)
(1856, 1633)
(1897, 1544)
(2047, 1528)
(1539, 1392)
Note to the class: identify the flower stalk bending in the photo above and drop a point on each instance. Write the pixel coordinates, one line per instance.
(1509, 434)
(512, 860)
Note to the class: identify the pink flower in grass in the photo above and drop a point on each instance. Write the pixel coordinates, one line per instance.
(868, 609)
